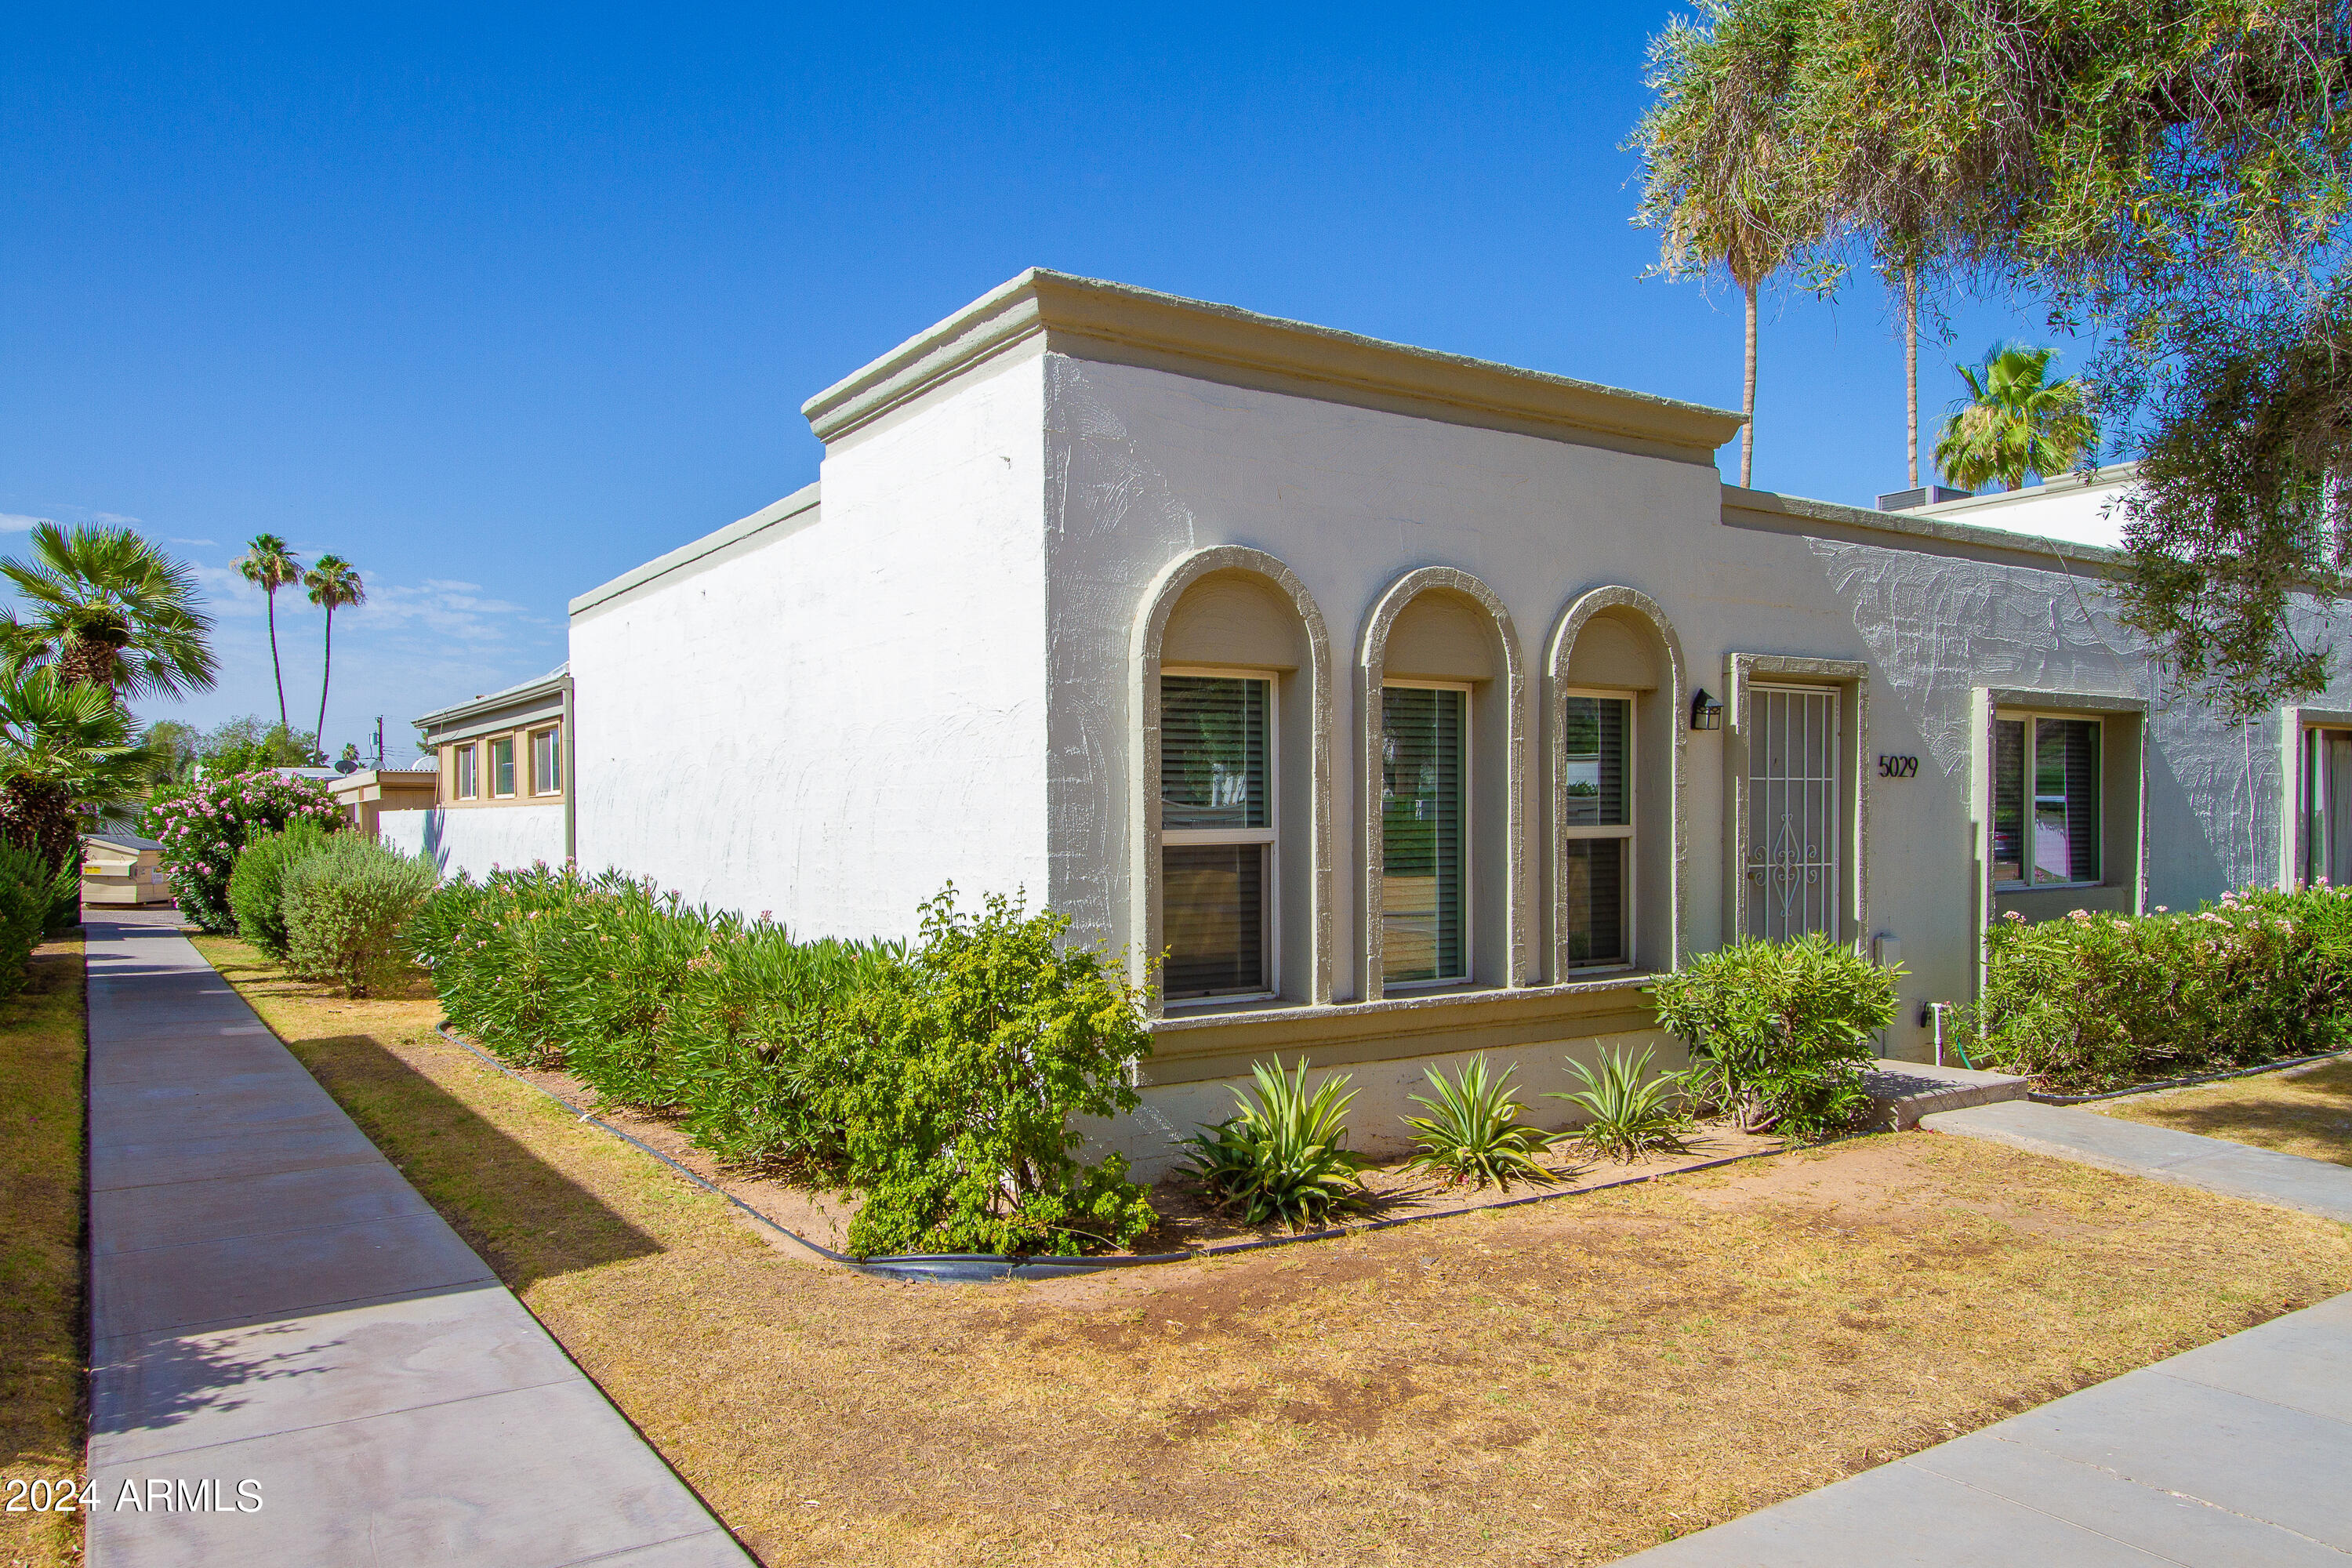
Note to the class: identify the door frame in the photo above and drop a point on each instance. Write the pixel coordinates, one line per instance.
(1851, 679)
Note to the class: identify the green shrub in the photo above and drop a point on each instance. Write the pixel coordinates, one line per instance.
(1284, 1154)
(2096, 1002)
(1473, 1132)
(257, 889)
(345, 904)
(203, 826)
(1632, 1112)
(954, 1075)
(1786, 1030)
(940, 1084)
(27, 891)
(486, 944)
(739, 1037)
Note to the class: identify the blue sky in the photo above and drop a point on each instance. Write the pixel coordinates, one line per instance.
(498, 306)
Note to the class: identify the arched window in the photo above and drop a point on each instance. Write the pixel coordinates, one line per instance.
(1444, 750)
(1617, 746)
(1232, 771)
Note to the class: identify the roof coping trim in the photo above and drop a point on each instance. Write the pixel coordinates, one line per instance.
(801, 500)
(1088, 317)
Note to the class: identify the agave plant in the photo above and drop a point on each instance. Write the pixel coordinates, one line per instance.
(1473, 1132)
(1284, 1154)
(1632, 1112)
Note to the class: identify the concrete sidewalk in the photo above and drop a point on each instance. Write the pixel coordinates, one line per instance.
(2236, 1454)
(277, 1315)
(2160, 1153)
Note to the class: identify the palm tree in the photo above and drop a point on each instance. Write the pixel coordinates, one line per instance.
(269, 565)
(1723, 177)
(2015, 421)
(66, 749)
(331, 581)
(105, 607)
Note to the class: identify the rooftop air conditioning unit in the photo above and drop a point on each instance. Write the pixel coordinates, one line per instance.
(1926, 495)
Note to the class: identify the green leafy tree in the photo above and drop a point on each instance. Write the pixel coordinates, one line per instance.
(2015, 421)
(108, 609)
(270, 565)
(332, 583)
(2174, 175)
(1723, 179)
(243, 744)
(67, 755)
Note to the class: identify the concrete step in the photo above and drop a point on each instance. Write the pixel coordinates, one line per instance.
(1905, 1091)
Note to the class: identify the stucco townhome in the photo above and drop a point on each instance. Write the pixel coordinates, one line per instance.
(1410, 704)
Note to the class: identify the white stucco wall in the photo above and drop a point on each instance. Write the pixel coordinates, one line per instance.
(477, 840)
(831, 720)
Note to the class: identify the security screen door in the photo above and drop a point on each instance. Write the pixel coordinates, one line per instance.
(1792, 812)
(2327, 800)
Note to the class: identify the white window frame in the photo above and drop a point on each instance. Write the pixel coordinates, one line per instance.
(1270, 908)
(1626, 831)
(539, 785)
(1469, 975)
(465, 759)
(2026, 797)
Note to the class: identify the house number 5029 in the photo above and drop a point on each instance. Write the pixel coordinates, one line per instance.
(1899, 767)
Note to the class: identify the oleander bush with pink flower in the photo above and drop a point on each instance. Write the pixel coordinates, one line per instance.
(205, 824)
(2096, 1002)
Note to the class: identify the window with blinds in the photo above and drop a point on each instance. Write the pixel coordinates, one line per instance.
(1424, 835)
(502, 765)
(2045, 801)
(468, 781)
(1597, 830)
(1217, 835)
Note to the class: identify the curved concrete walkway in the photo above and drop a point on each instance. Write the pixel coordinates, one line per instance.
(294, 1359)
(2234, 1454)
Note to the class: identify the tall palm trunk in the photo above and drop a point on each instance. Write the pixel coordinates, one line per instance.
(40, 817)
(277, 670)
(1748, 399)
(1911, 367)
(326, 673)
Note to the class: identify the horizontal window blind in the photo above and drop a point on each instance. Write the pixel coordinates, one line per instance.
(2065, 800)
(1214, 920)
(2009, 800)
(1593, 758)
(1213, 752)
(1424, 834)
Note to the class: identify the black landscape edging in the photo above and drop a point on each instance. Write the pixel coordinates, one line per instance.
(987, 1267)
(2039, 1099)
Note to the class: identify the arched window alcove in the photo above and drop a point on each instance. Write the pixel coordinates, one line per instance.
(1616, 750)
(1442, 717)
(1231, 775)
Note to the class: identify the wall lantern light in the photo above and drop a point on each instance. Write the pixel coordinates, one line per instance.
(1707, 713)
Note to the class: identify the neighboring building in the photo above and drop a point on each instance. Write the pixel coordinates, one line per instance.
(504, 796)
(1409, 704)
(2075, 508)
(369, 793)
(118, 866)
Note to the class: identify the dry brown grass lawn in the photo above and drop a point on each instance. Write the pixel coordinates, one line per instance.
(42, 1423)
(2304, 1111)
(1559, 1384)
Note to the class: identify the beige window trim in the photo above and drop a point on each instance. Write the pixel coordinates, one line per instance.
(1270, 835)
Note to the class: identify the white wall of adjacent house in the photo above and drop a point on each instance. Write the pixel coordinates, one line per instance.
(2080, 508)
(831, 719)
(477, 840)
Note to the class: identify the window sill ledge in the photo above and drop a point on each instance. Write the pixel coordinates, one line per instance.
(1459, 996)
